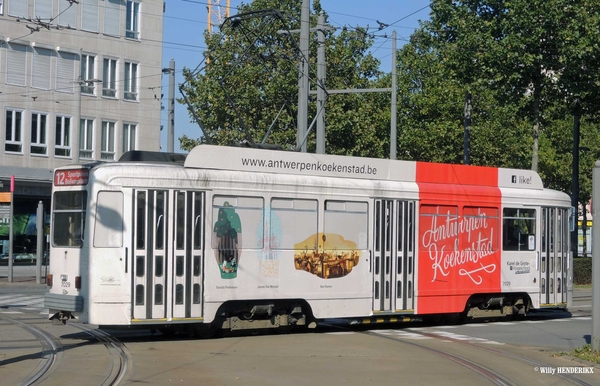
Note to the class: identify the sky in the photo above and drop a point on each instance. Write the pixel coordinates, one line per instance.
(185, 21)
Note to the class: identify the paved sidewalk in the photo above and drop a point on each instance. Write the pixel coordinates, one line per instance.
(24, 278)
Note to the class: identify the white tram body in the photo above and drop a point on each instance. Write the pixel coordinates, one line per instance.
(246, 238)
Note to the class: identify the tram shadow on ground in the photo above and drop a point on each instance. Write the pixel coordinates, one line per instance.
(328, 326)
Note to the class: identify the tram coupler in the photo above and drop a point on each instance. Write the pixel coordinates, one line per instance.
(61, 317)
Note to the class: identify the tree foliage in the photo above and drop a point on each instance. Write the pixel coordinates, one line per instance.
(526, 63)
(251, 78)
(521, 48)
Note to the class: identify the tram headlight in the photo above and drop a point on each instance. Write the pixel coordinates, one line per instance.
(78, 282)
(49, 280)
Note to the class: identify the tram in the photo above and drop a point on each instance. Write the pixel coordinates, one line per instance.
(241, 238)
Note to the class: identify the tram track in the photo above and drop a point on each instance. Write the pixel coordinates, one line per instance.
(475, 356)
(477, 368)
(481, 369)
(535, 364)
(121, 358)
(51, 351)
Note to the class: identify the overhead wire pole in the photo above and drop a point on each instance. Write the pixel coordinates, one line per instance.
(326, 92)
(595, 258)
(303, 79)
(321, 73)
(393, 117)
(171, 113)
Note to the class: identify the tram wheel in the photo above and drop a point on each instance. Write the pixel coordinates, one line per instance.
(167, 332)
(206, 331)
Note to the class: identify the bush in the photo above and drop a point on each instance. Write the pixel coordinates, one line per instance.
(582, 270)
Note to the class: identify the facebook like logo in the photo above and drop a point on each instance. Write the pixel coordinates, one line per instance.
(514, 179)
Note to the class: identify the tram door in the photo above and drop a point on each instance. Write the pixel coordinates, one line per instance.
(393, 260)
(554, 255)
(188, 247)
(167, 254)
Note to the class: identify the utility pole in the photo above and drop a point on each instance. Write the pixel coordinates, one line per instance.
(595, 259)
(303, 86)
(303, 79)
(365, 90)
(171, 121)
(575, 181)
(321, 73)
(467, 134)
(40, 242)
(393, 128)
(10, 229)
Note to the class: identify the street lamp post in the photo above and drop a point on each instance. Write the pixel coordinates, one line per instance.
(575, 184)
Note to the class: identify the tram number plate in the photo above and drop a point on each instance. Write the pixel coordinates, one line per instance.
(65, 284)
(506, 283)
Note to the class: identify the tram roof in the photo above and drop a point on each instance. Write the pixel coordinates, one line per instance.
(296, 163)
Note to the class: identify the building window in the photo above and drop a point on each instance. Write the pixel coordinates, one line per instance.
(1, 7)
(16, 64)
(39, 128)
(109, 77)
(65, 72)
(130, 93)
(107, 148)
(40, 77)
(129, 130)
(62, 139)
(86, 138)
(87, 73)
(67, 14)
(112, 17)
(14, 129)
(18, 8)
(132, 25)
(89, 18)
(43, 10)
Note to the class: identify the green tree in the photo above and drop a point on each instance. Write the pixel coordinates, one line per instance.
(431, 113)
(521, 48)
(251, 76)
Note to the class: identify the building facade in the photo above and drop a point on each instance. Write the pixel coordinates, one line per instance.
(79, 82)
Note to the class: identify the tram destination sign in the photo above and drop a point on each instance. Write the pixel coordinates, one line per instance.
(71, 177)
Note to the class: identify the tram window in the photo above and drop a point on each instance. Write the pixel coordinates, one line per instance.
(479, 228)
(559, 233)
(437, 221)
(198, 221)
(69, 210)
(349, 221)
(293, 221)
(158, 266)
(411, 225)
(108, 231)
(400, 228)
(543, 228)
(196, 292)
(179, 270)
(388, 225)
(377, 224)
(139, 295)
(160, 220)
(140, 231)
(179, 294)
(518, 229)
(234, 217)
(158, 294)
(180, 212)
(196, 265)
(140, 266)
